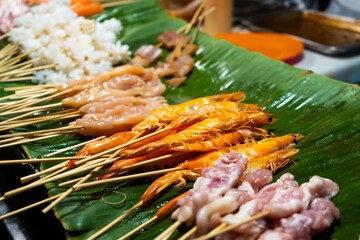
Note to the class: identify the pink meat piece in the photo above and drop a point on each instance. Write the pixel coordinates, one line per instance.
(320, 187)
(150, 53)
(148, 85)
(300, 226)
(9, 10)
(170, 38)
(178, 67)
(212, 184)
(210, 215)
(121, 118)
(109, 103)
(259, 178)
(153, 86)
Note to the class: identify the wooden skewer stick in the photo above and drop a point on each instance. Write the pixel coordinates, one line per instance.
(167, 233)
(188, 233)
(119, 147)
(46, 98)
(50, 175)
(5, 35)
(138, 228)
(67, 128)
(18, 79)
(38, 174)
(70, 190)
(19, 117)
(57, 169)
(21, 102)
(54, 117)
(58, 177)
(32, 87)
(128, 177)
(29, 140)
(27, 70)
(74, 146)
(36, 160)
(114, 222)
(231, 227)
(28, 207)
(39, 108)
(118, 3)
(140, 164)
(4, 141)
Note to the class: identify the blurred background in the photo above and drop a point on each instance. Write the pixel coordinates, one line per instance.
(327, 32)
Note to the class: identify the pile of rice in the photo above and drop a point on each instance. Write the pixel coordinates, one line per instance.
(77, 45)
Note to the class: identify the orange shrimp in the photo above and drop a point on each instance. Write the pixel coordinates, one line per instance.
(193, 167)
(168, 162)
(164, 115)
(216, 123)
(224, 140)
(272, 161)
(166, 210)
(103, 144)
(206, 110)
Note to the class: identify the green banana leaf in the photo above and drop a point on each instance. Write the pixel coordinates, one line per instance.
(325, 111)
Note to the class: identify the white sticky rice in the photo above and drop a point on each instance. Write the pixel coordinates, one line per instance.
(77, 45)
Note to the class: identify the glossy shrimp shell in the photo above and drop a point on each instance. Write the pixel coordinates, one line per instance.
(164, 115)
(268, 153)
(206, 110)
(103, 144)
(216, 123)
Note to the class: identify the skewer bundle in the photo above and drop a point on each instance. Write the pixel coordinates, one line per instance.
(169, 134)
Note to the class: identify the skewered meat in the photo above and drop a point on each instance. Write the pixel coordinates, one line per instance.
(115, 114)
(170, 38)
(213, 183)
(148, 85)
(146, 55)
(210, 215)
(300, 226)
(296, 211)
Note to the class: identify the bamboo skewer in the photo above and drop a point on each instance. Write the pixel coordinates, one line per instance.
(28, 207)
(114, 222)
(46, 98)
(231, 227)
(58, 177)
(21, 102)
(29, 140)
(188, 234)
(36, 160)
(74, 146)
(27, 70)
(54, 117)
(17, 79)
(138, 228)
(119, 147)
(167, 232)
(129, 177)
(32, 87)
(118, 3)
(35, 175)
(67, 128)
(70, 190)
(32, 108)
